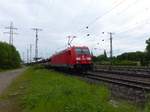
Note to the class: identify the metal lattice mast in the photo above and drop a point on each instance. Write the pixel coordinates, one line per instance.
(36, 42)
(11, 32)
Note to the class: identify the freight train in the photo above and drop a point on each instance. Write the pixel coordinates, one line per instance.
(73, 58)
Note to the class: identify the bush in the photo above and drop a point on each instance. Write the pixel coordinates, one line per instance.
(9, 56)
(125, 63)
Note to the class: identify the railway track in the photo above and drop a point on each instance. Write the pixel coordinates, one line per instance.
(130, 79)
(122, 84)
(125, 68)
(125, 72)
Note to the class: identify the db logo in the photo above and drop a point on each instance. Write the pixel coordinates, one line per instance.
(83, 58)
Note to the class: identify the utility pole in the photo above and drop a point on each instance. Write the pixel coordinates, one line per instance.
(11, 32)
(30, 53)
(27, 55)
(23, 57)
(111, 47)
(36, 42)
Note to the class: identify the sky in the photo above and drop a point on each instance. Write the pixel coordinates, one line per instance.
(128, 20)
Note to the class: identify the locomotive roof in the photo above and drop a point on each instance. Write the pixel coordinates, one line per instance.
(69, 49)
(79, 47)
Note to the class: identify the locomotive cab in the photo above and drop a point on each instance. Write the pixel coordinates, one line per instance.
(83, 58)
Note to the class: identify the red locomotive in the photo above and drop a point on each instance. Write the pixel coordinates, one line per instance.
(77, 58)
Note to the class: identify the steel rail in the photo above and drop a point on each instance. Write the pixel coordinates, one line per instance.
(117, 80)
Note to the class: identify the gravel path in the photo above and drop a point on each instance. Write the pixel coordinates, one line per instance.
(7, 77)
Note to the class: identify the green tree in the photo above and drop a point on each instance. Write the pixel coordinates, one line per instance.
(134, 56)
(9, 56)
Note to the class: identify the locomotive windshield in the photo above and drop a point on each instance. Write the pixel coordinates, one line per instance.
(82, 51)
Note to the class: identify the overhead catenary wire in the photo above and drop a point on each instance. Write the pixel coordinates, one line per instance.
(125, 9)
(137, 24)
(135, 27)
(87, 27)
(129, 6)
(101, 16)
(107, 12)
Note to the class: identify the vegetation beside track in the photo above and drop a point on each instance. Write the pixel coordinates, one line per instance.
(138, 58)
(40, 90)
(1, 70)
(9, 57)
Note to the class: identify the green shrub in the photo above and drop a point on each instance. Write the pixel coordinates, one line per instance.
(125, 63)
(9, 56)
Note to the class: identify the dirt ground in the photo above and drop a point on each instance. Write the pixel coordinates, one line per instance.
(7, 77)
(5, 80)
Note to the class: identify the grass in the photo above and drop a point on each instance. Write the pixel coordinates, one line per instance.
(40, 90)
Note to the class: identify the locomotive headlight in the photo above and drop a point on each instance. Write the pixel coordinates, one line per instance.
(88, 58)
(78, 58)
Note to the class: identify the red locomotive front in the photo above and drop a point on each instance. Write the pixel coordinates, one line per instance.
(78, 58)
